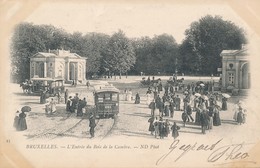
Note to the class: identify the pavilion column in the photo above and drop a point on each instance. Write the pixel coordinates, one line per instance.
(67, 70)
(45, 70)
(76, 71)
(237, 74)
(224, 71)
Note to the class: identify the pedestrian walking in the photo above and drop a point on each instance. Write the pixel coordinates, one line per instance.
(129, 95)
(16, 120)
(175, 132)
(197, 116)
(156, 127)
(171, 107)
(69, 105)
(151, 125)
(152, 107)
(240, 116)
(178, 102)
(66, 95)
(137, 98)
(216, 117)
(184, 117)
(161, 128)
(92, 125)
(75, 102)
(204, 118)
(189, 113)
(224, 103)
(167, 128)
(52, 106)
(22, 125)
(210, 114)
(148, 98)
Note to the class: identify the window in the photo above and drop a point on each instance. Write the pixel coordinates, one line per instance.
(231, 78)
(114, 97)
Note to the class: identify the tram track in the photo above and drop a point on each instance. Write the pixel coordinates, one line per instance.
(103, 129)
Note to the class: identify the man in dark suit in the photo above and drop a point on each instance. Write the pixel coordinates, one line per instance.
(92, 125)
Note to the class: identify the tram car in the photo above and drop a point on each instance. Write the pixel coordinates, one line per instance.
(52, 86)
(106, 99)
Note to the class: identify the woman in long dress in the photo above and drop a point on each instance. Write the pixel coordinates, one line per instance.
(175, 129)
(22, 122)
(216, 117)
(52, 105)
(148, 98)
(16, 120)
(129, 95)
(151, 125)
(224, 104)
(197, 116)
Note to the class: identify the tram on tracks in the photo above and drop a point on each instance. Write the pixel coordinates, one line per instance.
(52, 86)
(106, 98)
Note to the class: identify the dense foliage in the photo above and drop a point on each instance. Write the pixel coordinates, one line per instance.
(197, 55)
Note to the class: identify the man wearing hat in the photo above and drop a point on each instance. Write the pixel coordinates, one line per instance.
(92, 125)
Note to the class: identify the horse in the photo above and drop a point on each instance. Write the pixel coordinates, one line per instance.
(26, 87)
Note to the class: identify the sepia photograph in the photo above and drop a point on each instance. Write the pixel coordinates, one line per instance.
(130, 84)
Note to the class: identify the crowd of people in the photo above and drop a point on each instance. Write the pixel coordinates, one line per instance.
(196, 97)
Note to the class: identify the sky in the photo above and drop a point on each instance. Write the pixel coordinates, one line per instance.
(134, 19)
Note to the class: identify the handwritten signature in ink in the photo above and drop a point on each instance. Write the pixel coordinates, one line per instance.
(227, 152)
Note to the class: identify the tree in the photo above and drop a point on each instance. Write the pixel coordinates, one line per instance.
(95, 45)
(26, 41)
(208, 37)
(156, 55)
(119, 56)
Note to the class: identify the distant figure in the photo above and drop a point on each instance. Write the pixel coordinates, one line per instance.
(189, 112)
(52, 106)
(204, 118)
(171, 107)
(129, 95)
(88, 84)
(137, 98)
(69, 105)
(75, 102)
(156, 127)
(178, 103)
(197, 116)
(240, 116)
(224, 104)
(92, 125)
(152, 107)
(21, 126)
(184, 117)
(16, 120)
(66, 95)
(81, 105)
(166, 128)
(151, 125)
(216, 117)
(175, 129)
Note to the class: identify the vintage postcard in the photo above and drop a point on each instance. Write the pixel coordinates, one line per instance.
(129, 84)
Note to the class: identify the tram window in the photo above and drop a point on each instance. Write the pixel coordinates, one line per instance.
(100, 98)
(107, 96)
(114, 97)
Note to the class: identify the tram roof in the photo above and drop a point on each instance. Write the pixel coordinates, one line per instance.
(46, 79)
(105, 88)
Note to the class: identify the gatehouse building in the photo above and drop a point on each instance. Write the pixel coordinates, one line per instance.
(60, 64)
(235, 69)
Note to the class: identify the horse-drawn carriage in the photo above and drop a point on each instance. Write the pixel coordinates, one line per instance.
(176, 82)
(48, 85)
(149, 82)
